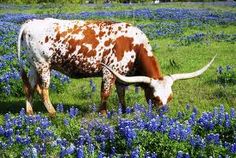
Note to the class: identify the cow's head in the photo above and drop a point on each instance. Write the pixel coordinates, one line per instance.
(161, 88)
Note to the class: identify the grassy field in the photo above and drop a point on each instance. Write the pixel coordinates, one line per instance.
(188, 58)
(184, 48)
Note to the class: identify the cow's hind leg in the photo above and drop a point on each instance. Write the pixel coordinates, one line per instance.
(43, 89)
(107, 82)
(29, 84)
(121, 95)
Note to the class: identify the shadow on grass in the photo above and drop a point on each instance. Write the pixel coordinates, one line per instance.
(14, 106)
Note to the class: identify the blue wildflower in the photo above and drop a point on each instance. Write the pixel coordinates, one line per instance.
(80, 152)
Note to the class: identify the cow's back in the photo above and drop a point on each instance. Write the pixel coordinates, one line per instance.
(77, 48)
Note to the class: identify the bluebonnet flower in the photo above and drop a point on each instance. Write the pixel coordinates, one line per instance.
(227, 145)
(63, 78)
(227, 120)
(73, 112)
(119, 109)
(60, 108)
(180, 115)
(43, 150)
(7, 116)
(100, 154)
(195, 110)
(17, 122)
(103, 146)
(180, 154)
(37, 131)
(125, 127)
(163, 109)
(2, 131)
(139, 108)
(150, 155)
(22, 113)
(197, 141)
(94, 108)
(91, 148)
(92, 85)
(187, 155)
(53, 86)
(128, 110)
(185, 133)
(154, 155)
(113, 151)
(228, 68)
(45, 123)
(66, 122)
(135, 153)
(188, 106)
(222, 109)
(140, 124)
(71, 149)
(8, 132)
(110, 114)
(164, 123)
(25, 153)
(206, 121)
(233, 148)
(232, 113)
(34, 152)
(215, 112)
(192, 119)
(80, 152)
(63, 151)
(213, 138)
(153, 124)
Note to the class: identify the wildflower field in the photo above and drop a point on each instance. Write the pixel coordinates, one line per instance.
(199, 122)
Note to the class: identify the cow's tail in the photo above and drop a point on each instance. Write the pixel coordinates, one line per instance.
(20, 61)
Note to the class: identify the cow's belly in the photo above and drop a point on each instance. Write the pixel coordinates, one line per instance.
(76, 66)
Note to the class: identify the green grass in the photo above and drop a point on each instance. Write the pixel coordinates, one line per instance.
(202, 92)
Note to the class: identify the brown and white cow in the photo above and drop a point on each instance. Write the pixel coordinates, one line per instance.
(92, 48)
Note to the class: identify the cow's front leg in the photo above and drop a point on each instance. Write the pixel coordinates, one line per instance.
(43, 89)
(121, 95)
(106, 87)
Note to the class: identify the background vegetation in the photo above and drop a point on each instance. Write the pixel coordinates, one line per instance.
(94, 1)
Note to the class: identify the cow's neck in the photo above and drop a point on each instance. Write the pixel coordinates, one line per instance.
(147, 65)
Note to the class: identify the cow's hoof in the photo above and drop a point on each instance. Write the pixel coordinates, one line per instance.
(30, 113)
(52, 114)
(103, 112)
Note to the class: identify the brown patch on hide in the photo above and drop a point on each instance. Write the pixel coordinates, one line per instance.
(106, 52)
(130, 65)
(122, 44)
(147, 65)
(46, 39)
(108, 42)
(90, 37)
(101, 34)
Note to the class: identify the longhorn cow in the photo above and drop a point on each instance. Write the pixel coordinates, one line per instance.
(82, 49)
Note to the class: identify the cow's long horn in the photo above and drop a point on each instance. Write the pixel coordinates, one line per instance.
(193, 74)
(125, 79)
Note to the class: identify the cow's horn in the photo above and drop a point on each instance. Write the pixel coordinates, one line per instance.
(193, 74)
(125, 79)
